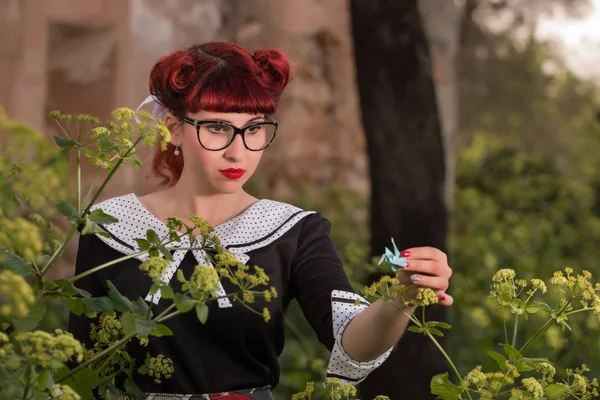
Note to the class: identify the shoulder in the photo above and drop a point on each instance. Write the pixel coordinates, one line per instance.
(262, 224)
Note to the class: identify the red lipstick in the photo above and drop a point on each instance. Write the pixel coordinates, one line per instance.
(232, 173)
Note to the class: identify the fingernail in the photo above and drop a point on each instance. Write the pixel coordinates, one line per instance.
(442, 298)
(405, 253)
(407, 264)
(415, 278)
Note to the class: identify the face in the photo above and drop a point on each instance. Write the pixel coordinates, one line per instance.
(216, 172)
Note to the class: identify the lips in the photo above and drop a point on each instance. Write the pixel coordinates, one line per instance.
(233, 173)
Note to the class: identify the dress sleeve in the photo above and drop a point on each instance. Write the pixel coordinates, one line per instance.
(327, 299)
(89, 255)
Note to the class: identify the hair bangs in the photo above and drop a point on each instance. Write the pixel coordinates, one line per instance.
(232, 94)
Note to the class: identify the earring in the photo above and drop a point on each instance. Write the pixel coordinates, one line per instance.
(177, 152)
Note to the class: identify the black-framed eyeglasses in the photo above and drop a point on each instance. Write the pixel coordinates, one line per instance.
(217, 135)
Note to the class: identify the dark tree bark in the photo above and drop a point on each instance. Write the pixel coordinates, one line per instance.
(406, 156)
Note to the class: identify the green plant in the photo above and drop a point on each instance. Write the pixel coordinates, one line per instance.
(35, 364)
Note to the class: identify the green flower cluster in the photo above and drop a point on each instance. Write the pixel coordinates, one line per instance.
(63, 392)
(21, 237)
(16, 295)
(41, 349)
(160, 367)
(155, 267)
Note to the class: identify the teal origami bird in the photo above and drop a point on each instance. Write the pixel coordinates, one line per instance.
(393, 259)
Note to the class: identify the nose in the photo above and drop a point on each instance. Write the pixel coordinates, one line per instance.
(236, 150)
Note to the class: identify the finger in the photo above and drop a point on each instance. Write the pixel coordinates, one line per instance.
(425, 253)
(444, 298)
(432, 282)
(428, 267)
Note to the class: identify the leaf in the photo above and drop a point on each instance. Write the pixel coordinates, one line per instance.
(90, 227)
(143, 244)
(84, 382)
(532, 308)
(511, 352)
(127, 322)
(184, 303)
(524, 366)
(101, 217)
(133, 391)
(141, 307)
(416, 329)
(444, 325)
(143, 370)
(152, 237)
(436, 332)
(67, 209)
(446, 390)
(67, 288)
(120, 302)
(45, 380)
(555, 391)
(16, 264)
(166, 253)
(161, 330)
(63, 142)
(202, 312)
(143, 327)
(75, 306)
(98, 304)
(166, 292)
(28, 323)
(543, 305)
(180, 276)
(104, 143)
(499, 358)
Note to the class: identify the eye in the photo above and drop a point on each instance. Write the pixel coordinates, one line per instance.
(254, 129)
(217, 128)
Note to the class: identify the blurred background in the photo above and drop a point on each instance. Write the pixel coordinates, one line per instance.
(468, 125)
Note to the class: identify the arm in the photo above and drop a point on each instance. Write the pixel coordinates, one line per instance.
(381, 325)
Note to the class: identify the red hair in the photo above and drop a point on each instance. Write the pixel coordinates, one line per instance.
(216, 76)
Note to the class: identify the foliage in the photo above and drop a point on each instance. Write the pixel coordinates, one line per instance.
(35, 364)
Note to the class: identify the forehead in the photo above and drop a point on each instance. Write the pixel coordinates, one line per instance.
(233, 118)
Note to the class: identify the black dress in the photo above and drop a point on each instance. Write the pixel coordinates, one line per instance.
(236, 349)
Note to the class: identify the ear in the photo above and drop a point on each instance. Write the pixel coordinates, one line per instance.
(175, 126)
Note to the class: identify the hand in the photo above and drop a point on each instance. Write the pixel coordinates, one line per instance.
(427, 267)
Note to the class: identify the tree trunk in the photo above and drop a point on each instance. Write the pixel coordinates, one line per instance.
(406, 156)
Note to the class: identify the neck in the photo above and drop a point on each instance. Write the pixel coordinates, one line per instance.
(215, 208)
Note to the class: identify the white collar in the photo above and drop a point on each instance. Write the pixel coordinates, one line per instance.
(261, 224)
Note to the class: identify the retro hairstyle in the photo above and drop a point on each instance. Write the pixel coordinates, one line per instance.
(216, 76)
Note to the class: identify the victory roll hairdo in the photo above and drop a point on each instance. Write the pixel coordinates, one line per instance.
(219, 77)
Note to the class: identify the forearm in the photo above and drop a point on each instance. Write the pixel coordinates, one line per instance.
(373, 331)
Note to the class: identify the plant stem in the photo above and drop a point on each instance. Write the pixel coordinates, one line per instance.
(515, 330)
(78, 180)
(59, 251)
(103, 365)
(105, 265)
(97, 357)
(111, 376)
(169, 316)
(505, 331)
(109, 176)
(447, 357)
(166, 310)
(578, 311)
(542, 329)
(89, 192)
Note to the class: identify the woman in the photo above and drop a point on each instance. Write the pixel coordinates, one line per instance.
(218, 100)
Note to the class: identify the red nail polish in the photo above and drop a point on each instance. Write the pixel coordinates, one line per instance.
(407, 264)
(405, 253)
(442, 298)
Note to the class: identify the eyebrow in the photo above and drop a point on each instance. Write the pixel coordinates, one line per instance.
(247, 122)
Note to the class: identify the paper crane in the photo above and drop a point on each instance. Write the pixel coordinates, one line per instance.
(393, 259)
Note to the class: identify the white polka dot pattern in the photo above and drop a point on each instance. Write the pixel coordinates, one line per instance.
(258, 226)
(340, 364)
